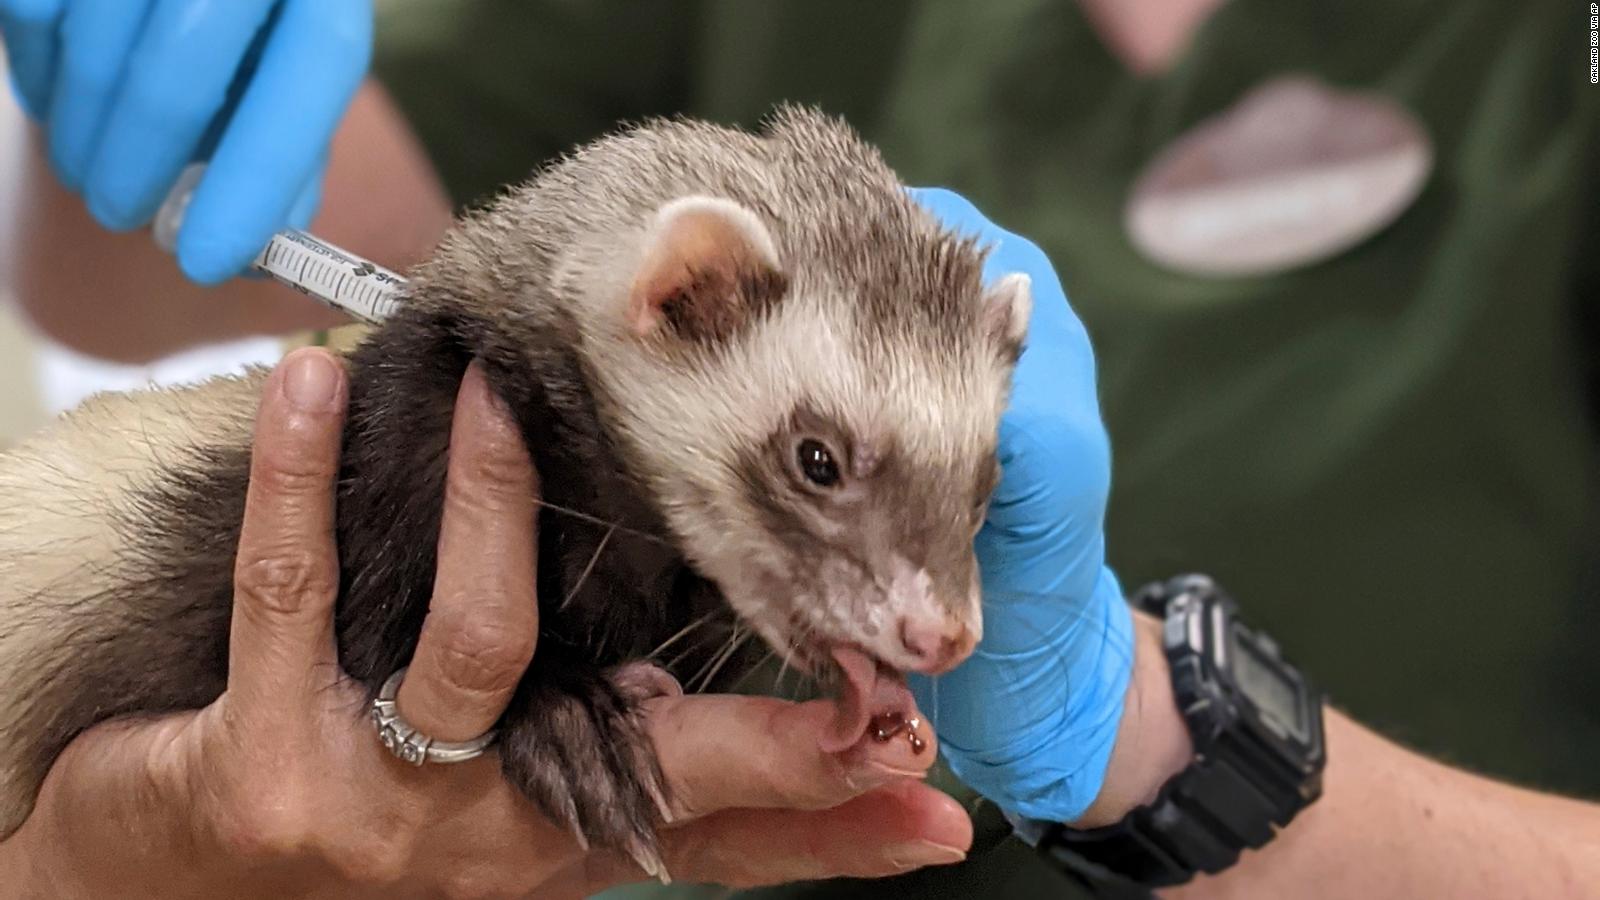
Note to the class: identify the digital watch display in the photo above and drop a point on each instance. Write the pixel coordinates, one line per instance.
(1256, 725)
(1277, 700)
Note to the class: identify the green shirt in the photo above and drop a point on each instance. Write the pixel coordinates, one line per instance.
(1390, 457)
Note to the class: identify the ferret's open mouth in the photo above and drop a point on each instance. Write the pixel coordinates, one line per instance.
(868, 690)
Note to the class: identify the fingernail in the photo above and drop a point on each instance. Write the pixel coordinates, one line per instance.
(889, 771)
(501, 407)
(311, 381)
(916, 854)
(875, 774)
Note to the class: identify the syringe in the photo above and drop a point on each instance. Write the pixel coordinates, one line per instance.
(306, 263)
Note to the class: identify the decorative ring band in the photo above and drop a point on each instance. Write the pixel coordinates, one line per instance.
(412, 746)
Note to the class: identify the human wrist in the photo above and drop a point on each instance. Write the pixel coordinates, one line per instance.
(1152, 743)
(112, 819)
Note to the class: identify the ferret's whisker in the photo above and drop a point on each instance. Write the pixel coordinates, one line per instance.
(682, 632)
(794, 645)
(734, 688)
(715, 664)
(733, 650)
(783, 669)
(711, 663)
(579, 514)
(587, 570)
(689, 650)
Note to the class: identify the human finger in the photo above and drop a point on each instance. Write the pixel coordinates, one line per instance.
(895, 828)
(97, 37)
(484, 619)
(286, 572)
(177, 81)
(309, 71)
(29, 27)
(720, 752)
(309, 199)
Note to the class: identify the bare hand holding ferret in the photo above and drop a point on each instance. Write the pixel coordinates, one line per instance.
(279, 788)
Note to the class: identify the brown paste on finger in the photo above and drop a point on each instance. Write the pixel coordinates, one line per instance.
(885, 726)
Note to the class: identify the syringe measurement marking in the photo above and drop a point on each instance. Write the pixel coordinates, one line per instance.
(354, 285)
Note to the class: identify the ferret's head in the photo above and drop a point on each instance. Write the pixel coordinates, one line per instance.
(812, 389)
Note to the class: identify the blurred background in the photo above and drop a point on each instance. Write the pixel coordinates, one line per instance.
(20, 409)
(41, 377)
(21, 406)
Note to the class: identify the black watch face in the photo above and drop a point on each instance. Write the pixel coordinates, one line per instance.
(1263, 681)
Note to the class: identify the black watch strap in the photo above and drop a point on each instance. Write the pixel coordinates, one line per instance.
(1250, 775)
(1200, 822)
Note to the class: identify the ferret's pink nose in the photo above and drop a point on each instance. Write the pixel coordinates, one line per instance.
(935, 647)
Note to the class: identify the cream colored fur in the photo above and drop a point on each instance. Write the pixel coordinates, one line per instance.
(62, 532)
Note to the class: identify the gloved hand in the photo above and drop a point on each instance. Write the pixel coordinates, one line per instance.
(1030, 719)
(130, 90)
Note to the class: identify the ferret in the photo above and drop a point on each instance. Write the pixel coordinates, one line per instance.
(752, 373)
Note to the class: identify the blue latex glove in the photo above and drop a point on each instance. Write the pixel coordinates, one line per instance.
(1029, 720)
(130, 91)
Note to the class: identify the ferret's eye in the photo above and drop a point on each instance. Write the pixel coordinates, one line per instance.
(816, 463)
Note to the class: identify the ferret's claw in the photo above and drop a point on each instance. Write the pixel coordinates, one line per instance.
(647, 859)
(662, 806)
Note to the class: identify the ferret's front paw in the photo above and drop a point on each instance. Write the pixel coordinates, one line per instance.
(580, 751)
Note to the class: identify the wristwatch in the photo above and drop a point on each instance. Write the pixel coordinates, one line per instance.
(1256, 724)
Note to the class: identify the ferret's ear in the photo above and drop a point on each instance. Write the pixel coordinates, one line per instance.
(706, 264)
(1007, 304)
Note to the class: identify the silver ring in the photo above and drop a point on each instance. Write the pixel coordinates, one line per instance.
(407, 744)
